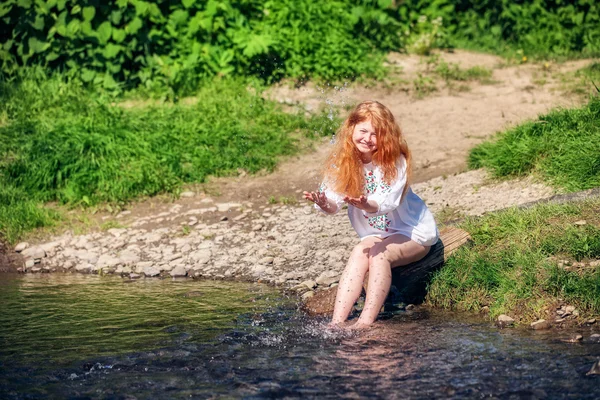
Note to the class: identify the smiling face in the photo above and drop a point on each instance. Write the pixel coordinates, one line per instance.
(365, 140)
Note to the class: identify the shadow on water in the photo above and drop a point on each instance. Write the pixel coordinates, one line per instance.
(91, 337)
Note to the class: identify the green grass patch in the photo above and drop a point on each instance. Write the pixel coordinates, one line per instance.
(512, 266)
(563, 147)
(60, 142)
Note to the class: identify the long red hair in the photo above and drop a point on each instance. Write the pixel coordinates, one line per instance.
(344, 169)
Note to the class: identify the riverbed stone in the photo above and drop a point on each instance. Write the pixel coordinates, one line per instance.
(84, 268)
(178, 272)
(151, 271)
(29, 263)
(540, 325)
(309, 283)
(35, 252)
(308, 295)
(591, 321)
(505, 321)
(106, 260)
(21, 246)
(595, 370)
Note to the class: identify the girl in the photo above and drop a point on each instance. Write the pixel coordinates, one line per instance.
(369, 169)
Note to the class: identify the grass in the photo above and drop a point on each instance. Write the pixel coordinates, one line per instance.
(563, 147)
(61, 142)
(512, 265)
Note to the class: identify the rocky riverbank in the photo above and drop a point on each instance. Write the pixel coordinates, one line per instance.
(279, 244)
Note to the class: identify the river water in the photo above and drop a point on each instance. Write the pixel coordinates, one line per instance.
(76, 336)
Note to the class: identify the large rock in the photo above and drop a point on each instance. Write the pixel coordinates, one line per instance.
(21, 246)
(178, 272)
(321, 303)
(35, 252)
(504, 320)
(151, 271)
(540, 324)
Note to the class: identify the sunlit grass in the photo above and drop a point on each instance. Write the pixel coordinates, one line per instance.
(63, 143)
(563, 147)
(512, 266)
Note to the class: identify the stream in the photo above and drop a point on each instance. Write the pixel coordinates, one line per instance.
(84, 336)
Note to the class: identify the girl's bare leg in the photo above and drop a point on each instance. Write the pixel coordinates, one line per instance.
(352, 279)
(393, 251)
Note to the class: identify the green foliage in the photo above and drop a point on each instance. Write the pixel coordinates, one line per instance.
(163, 44)
(538, 27)
(512, 264)
(60, 142)
(562, 146)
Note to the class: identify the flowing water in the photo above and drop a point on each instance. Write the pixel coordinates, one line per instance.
(67, 336)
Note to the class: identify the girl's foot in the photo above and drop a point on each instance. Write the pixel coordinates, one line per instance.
(360, 326)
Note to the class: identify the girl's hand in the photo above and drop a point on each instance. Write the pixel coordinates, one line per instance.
(319, 198)
(361, 203)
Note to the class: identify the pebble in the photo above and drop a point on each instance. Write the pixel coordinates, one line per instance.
(178, 272)
(591, 321)
(540, 324)
(187, 194)
(21, 246)
(308, 295)
(35, 252)
(595, 370)
(505, 320)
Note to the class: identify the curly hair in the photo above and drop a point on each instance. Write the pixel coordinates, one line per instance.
(343, 170)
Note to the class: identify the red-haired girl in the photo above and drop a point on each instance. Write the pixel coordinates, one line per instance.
(369, 169)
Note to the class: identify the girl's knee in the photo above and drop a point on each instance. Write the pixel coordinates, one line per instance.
(361, 250)
(378, 252)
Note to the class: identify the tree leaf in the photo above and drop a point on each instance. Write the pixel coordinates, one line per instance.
(118, 35)
(89, 13)
(111, 50)
(36, 45)
(134, 26)
(104, 32)
(87, 75)
(188, 3)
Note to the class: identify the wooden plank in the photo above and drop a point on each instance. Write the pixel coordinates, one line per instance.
(410, 281)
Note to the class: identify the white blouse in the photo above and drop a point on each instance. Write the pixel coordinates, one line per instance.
(411, 217)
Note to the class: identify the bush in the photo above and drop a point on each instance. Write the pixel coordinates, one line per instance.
(176, 45)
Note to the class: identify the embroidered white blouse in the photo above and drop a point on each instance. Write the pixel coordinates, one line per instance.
(411, 217)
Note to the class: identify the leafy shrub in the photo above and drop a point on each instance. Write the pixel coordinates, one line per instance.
(176, 45)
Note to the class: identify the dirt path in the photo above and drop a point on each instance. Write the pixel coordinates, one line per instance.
(440, 127)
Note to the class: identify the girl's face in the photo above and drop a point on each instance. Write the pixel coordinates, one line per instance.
(365, 139)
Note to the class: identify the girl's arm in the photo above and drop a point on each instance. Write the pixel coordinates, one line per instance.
(320, 199)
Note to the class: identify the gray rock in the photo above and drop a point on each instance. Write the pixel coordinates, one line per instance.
(308, 295)
(504, 320)
(35, 252)
(309, 284)
(266, 260)
(540, 324)
(151, 271)
(21, 246)
(178, 272)
(84, 268)
(135, 276)
(595, 370)
(29, 263)
(106, 260)
(326, 276)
